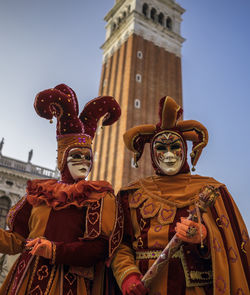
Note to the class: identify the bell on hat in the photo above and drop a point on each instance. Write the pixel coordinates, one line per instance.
(74, 131)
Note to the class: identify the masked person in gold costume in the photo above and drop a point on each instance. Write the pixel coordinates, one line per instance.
(214, 254)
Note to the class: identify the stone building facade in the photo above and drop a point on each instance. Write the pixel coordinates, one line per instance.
(141, 64)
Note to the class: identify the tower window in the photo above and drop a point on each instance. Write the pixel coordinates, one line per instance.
(139, 54)
(129, 7)
(137, 103)
(169, 23)
(160, 18)
(145, 9)
(153, 14)
(124, 14)
(138, 78)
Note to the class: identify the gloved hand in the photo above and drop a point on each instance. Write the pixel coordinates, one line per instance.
(40, 247)
(189, 231)
(132, 285)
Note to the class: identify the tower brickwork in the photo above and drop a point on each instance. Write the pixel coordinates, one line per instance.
(141, 64)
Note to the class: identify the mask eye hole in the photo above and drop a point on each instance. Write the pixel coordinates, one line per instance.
(160, 147)
(175, 146)
(87, 157)
(76, 156)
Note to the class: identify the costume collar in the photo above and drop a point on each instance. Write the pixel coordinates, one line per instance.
(61, 195)
(178, 190)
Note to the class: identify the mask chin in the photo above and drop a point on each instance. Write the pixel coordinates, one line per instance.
(79, 171)
(169, 170)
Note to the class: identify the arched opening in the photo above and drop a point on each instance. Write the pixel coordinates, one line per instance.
(169, 23)
(124, 14)
(4, 209)
(153, 14)
(145, 9)
(160, 18)
(113, 26)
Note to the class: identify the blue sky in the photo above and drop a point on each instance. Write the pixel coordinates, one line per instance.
(44, 43)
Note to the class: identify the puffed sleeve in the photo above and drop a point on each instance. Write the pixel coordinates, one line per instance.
(12, 241)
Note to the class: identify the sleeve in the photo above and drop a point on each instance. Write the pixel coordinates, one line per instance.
(81, 253)
(228, 243)
(12, 241)
(123, 263)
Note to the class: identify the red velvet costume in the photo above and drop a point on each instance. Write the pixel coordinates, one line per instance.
(81, 218)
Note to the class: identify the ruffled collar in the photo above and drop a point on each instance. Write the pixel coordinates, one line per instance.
(61, 195)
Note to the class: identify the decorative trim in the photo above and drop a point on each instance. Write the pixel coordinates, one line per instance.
(93, 220)
(191, 275)
(150, 254)
(13, 212)
(127, 272)
(33, 273)
(53, 258)
(50, 280)
(117, 233)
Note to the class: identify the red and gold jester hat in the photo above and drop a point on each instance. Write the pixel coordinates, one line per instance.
(169, 113)
(73, 131)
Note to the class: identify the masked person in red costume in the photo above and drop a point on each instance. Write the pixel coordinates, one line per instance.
(214, 253)
(65, 229)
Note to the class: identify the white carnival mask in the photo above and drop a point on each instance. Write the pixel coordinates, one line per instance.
(168, 152)
(79, 162)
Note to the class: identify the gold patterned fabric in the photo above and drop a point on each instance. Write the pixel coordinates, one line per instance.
(152, 206)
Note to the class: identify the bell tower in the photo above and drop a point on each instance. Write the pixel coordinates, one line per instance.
(141, 64)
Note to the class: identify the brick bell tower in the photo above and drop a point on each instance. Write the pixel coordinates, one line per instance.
(141, 64)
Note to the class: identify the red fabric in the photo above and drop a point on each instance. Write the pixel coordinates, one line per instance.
(60, 102)
(67, 225)
(21, 220)
(132, 285)
(97, 108)
(82, 253)
(60, 195)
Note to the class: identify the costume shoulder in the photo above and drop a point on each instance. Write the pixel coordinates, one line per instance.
(18, 217)
(194, 181)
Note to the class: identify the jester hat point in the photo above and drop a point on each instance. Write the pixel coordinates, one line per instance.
(73, 130)
(169, 114)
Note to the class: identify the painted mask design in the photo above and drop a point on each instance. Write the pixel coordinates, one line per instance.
(168, 152)
(79, 162)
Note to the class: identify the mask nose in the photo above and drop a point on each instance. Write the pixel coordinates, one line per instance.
(169, 156)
